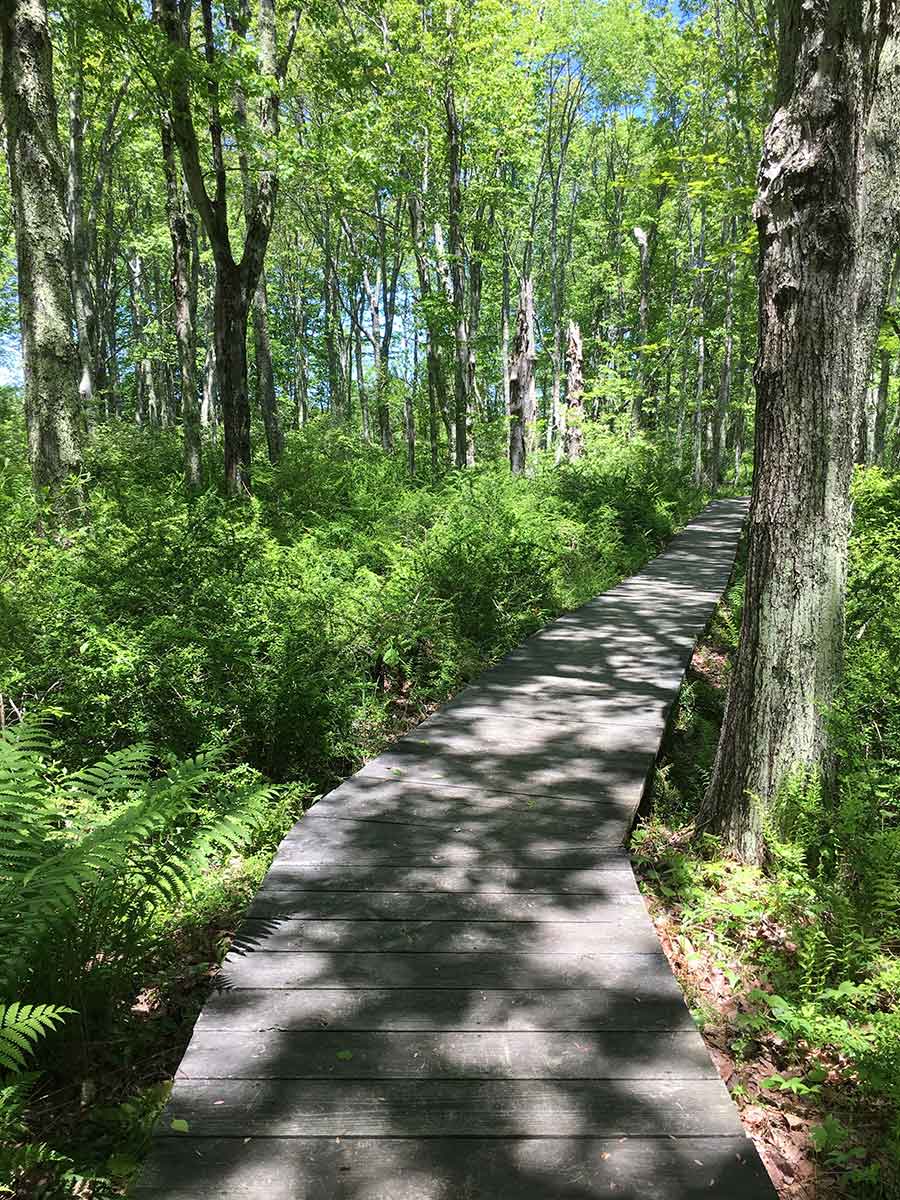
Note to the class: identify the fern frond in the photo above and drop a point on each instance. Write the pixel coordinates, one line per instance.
(22, 1026)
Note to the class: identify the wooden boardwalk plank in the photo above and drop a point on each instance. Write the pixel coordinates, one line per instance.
(642, 1005)
(454, 1107)
(626, 909)
(525, 969)
(408, 803)
(604, 876)
(377, 842)
(477, 935)
(537, 1054)
(663, 1168)
(447, 987)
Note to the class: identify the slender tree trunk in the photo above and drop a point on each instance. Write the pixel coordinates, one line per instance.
(522, 399)
(504, 328)
(37, 182)
(111, 345)
(884, 377)
(361, 384)
(81, 290)
(574, 436)
(184, 291)
(462, 416)
(301, 411)
(162, 372)
(409, 431)
(437, 383)
(265, 374)
(699, 307)
(697, 475)
(827, 213)
(881, 399)
(332, 321)
(643, 241)
(725, 379)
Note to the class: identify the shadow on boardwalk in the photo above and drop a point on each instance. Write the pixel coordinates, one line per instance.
(448, 987)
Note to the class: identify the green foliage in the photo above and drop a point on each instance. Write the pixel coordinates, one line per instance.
(284, 637)
(87, 858)
(21, 1028)
(296, 626)
(819, 928)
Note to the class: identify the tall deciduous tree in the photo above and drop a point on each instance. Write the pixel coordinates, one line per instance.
(43, 249)
(236, 279)
(827, 211)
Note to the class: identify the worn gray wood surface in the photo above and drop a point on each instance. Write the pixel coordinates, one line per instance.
(447, 986)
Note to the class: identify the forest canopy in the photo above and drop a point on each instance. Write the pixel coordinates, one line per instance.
(350, 342)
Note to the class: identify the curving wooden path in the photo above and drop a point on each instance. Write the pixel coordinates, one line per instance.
(447, 987)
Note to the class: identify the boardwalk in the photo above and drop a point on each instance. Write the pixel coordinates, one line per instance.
(447, 987)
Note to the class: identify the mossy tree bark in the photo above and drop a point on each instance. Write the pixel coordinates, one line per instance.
(43, 250)
(827, 213)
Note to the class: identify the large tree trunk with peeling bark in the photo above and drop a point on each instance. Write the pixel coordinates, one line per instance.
(827, 213)
(43, 250)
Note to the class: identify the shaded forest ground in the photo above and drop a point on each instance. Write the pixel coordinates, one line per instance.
(792, 972)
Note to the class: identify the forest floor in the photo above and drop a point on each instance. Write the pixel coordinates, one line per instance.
(805, 1041)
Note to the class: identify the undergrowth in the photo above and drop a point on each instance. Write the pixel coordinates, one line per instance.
(792, 971)
(178, 677)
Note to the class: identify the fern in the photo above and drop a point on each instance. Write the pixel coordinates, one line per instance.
(21, 1028)
(86, 863)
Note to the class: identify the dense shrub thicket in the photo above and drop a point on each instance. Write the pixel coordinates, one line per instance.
(810, 944)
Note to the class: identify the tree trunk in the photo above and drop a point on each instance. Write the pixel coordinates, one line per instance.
(265, 374)
(827, 213)
(81, 290)
(725, 378)
(574, 437)
(884, 377)
(34, 156)
(522, 400)
(434, 359)
(504, 328)
(697, 473)
(881, 399)
(699, 313)
(230, 333)
(236, 282)
(643, 240)
(361, 385)
(184, 292)
(301, 405)
(409, 430)
(462, 416)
